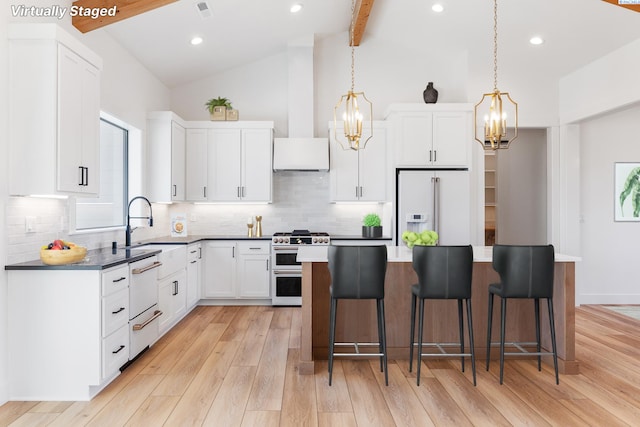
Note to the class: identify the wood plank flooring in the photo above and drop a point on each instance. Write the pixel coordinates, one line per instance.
(236, 366)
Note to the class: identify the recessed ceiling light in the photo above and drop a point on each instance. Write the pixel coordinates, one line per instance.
(296, 8)
(536, 40)
(196, 40)
(437, 8)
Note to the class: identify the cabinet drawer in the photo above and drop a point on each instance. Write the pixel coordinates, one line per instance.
(254, 248)
(115, 312)
(115, 280)
(194, 252)
(115, 351)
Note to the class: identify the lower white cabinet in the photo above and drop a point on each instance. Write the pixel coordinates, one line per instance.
(68, 332)
(172, 299)
(194, 274)
(253, 269)
(237, 270)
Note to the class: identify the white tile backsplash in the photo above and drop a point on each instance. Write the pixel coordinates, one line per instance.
(300, 200)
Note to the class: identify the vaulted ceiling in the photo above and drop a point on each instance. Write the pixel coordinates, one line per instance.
(238, 32)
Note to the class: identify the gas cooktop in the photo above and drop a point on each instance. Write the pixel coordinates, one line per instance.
(301, 237)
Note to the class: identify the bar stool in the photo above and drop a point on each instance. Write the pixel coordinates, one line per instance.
(444, 272)
(525, 272)
(358, 272)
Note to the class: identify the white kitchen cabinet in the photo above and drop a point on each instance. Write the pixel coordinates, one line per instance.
(431, 135)
(360, 175)
(194, 274)
(166, 139)
(196, 161)
(240, 165)
(237, 270)
(68, 332)
(54, 109)
(254, 273)
(220, 269)
(172, 299)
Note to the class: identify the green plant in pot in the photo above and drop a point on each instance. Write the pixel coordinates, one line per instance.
(218, 107)
(371, 225)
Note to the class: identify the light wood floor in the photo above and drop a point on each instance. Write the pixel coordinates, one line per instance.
(236, 366)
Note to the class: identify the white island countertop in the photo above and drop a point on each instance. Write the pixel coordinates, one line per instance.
(404, 254)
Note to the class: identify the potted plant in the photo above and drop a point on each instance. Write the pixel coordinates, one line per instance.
(218, 108)
(371, 225)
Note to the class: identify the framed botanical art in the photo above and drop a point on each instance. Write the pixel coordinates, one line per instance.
(627, 191)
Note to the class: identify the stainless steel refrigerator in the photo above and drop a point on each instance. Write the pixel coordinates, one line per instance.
(434, 199)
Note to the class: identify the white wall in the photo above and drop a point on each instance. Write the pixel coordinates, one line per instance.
(608, 271)
(4, 190)
(522, 190)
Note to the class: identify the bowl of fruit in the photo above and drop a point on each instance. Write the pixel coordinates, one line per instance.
(425, 238)
(60, 252)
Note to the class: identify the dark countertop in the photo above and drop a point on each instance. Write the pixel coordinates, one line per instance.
(96, 259)
(100, 259)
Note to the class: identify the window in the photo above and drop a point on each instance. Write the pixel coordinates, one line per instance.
(108, 210)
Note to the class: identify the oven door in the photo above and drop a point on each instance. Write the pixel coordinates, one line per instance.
(286, 287)
(284, 258)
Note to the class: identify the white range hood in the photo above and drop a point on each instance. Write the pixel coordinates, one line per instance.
(301, 151)
(301, 154)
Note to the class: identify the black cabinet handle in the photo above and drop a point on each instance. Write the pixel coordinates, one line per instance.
(118, 350)
(175, 190)
(118, 311)
(119, 280)
(175, 287)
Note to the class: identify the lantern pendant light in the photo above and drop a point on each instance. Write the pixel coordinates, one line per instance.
(496, 109)
(352, 108)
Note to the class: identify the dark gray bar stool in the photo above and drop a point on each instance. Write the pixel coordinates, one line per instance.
(358, 272)
(444, 272)
(525, 272)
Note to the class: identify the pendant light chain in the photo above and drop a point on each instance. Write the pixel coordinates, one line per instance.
(495, 45)
(353, 53)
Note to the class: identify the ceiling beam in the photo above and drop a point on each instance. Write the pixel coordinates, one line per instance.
(635, 7)
(124, 9)
(360, 17)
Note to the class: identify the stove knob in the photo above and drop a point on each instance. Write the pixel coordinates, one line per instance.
(315, 240)
(280, 240)
(286, 240)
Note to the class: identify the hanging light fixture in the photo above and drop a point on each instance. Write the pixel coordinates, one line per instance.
(349, 110)
(497, 110)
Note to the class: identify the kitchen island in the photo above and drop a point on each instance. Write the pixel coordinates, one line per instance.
(357, 319)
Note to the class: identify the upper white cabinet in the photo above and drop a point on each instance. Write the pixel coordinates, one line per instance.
(431, 135)
(360, 175)
(209, 161)
(166, 139)
(54, 112)
(197, 163)
(240, 164)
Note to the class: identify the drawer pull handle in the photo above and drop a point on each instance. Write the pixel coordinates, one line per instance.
(255, 249)
(119, 280)
(118, 311)
(118, 350)
(194, 261)
(139, 326)
(147, 268)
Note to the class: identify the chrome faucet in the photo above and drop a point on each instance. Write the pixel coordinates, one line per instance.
(127, 241)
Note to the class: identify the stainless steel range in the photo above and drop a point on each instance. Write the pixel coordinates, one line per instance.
(286, 274)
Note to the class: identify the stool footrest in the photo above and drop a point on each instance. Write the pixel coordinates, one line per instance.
(440, 347)
(521, 350)
(357, 346)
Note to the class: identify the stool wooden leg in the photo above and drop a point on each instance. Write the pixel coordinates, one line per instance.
(553, 338)
(471, 344)
(413, 330)
(489, 321)
(332, 334)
